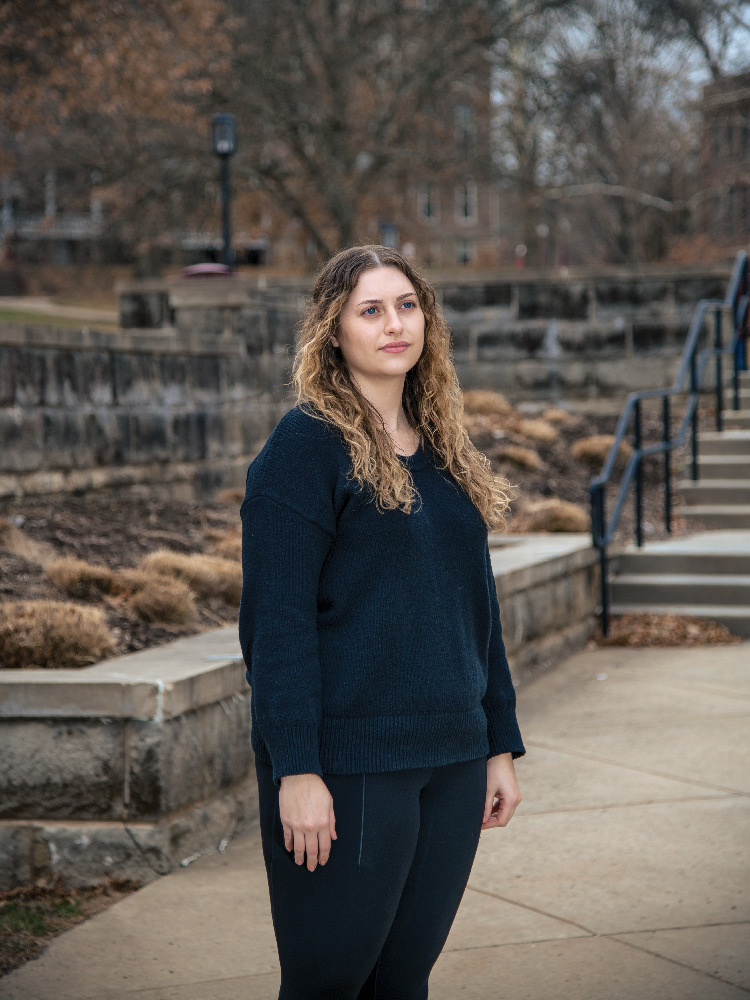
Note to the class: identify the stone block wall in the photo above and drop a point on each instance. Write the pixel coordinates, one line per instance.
(181, 413)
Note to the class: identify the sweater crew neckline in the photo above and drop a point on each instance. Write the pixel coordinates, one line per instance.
(417, 460)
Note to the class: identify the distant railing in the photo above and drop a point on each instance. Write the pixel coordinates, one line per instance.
(693, 366)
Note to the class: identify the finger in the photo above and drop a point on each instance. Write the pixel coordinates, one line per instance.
(489, 799)
(288, 837)
(311, 844)
(299, 847)
(332, 827)
(324, 847)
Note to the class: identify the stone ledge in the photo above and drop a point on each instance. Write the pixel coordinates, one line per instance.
(154, 684)
(523, 561)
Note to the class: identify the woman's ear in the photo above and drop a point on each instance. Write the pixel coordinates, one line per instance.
(334, 342)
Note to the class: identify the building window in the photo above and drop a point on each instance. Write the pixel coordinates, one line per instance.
(730, 210)
(466, 203)
(464, 251)
(717, 140)
(465, 127)
(428, 203)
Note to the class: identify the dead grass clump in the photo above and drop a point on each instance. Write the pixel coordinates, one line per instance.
(594, 450)
(81, 579)
(486, 402)
(537, 430)
(226, 545)
(554, 515)
(206, 575)
(232, 497)
(643, 630)
(556, 415)
(12, 539)
(52, 634)
(523, 458)
(162, 599)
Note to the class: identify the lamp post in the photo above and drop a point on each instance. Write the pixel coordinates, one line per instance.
(223, 141)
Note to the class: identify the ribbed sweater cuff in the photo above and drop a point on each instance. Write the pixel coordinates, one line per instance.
(294, 750)
(503, 734)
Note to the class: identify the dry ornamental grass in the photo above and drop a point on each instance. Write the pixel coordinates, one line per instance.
(537, 430)
(554, 516)
(486, 402)
(52, 634)
(81, 579)
(594, 450)
(206, 575)
(516, 454)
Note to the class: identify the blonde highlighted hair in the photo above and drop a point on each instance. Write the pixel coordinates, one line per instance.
(432, 397)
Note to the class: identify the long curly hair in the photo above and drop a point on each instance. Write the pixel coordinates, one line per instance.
(432, 397)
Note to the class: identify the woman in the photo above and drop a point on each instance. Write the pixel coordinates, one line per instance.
(383, 713)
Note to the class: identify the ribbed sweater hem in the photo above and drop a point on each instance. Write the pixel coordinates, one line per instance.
(391, 742)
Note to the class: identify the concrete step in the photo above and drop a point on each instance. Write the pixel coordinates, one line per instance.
(723, 467)
(730, 442)
(735, 516)
(666, 561)
(736, 619)
(711, 590)
(736, 419)
(715, 491)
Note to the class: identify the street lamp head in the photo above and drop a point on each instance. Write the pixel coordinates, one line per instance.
(223, 134)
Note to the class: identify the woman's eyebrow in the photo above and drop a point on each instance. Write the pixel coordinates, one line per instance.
(378, 302)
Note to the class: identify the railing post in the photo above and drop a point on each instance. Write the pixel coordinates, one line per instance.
(694, 422)
(638, 444)
(598, 532)
(666, 439)
(719, 376)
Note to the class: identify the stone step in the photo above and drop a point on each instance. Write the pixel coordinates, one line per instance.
(723, 467)
(666, 561)
(736, 516)
(736, 619)
(714, 491)
(736, 419)
(710, 589)
(729, 442)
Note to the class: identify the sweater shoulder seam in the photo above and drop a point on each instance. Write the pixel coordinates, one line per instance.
(287, 506)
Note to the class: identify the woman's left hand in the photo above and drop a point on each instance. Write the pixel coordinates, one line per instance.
(503, 787)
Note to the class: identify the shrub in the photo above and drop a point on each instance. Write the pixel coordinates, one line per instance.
(594, 450)
(81, 579)
(537, 430)
(206, 575)
(486, 402)
(158, 598)
(12, 539)
(524, 458)
(555, 415)
(52, 634)
(228, 545)
(232, 497)
(554, 515)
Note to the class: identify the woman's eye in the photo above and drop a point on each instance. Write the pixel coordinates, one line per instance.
(410, 305)
(370, 311)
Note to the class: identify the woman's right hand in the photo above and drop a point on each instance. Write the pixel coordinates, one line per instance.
(306, 811)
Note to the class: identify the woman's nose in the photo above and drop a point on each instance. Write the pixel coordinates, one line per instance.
(393, 320)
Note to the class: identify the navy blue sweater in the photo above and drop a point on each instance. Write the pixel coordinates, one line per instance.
(372, 639)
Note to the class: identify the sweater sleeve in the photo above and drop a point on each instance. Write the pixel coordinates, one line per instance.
(282, 556)
(499, 701)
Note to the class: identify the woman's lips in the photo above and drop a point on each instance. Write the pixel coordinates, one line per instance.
(394, 348)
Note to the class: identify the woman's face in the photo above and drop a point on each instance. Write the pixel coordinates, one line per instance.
(381, 327)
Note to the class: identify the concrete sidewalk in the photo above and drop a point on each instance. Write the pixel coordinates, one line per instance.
(623, 875)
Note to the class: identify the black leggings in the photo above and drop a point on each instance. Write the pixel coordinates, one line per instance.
(371, 923)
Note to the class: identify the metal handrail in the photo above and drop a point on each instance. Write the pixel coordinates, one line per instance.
(692, 368)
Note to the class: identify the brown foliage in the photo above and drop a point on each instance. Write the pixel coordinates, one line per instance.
(552, 515)
(232, 497)
(486, 401)
(594, 450)
(12, 539)
(52, 634)
(227, 545)
(536, 430)
(161, 599)
(81, 579)
(555, 415)
(516, 454)
(643, 630)
(206, 575)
